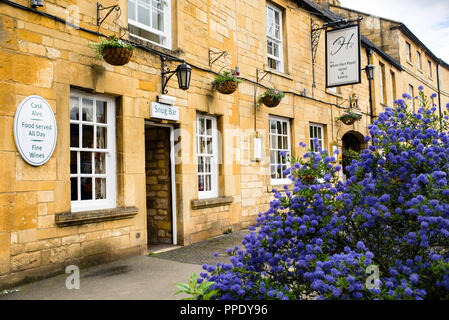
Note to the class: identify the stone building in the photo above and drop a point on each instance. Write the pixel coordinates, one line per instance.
(123, 177)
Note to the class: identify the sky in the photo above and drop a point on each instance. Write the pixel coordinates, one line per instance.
(427, 19)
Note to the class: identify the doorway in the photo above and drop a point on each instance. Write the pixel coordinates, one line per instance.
(160, 194)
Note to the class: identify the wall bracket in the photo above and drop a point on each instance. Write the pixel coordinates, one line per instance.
(100, 8)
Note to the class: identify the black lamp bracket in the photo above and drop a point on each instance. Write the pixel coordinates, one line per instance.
(166, 74)
(100, 8)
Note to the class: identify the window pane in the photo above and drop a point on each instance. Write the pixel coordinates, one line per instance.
(101, 111)
(207, 167)
(284, 128)
(102, 138)
(74, 108)
(158, 20)
(131, 10)
(86, 162)
(208, 183)
(272, 126)
(273, 142)
(200, 183)
(202, 145)
(209, 145)
(143, 15)
(100, 163)
(270, 47)
(73, 162)
(88, 136)
(276, 49)
(74, 135)
(280, 144)
(278, 127)
(87, 109)
(200, 164)
(208, 127)
(86, 188)
(74, 188)
(273, 172)
(100, 188)
(201, 126)
(285, 144)
(272, 156)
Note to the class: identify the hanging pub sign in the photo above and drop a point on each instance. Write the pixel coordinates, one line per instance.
(343, 56)
(35, 130)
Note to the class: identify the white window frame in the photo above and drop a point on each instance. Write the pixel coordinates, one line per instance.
(167, 24)
(213, 193)
(429, 68)
(273, 139)
(381, 83)
(418, 60)
(110, 155)
(319, 127)
(408, 51)
(392, 89)
(411, 91)
(272, 37)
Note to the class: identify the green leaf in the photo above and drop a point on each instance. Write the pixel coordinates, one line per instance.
(208, 295)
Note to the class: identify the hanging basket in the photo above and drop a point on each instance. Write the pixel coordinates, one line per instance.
(226, 87)
(270, 102)
(117, 56)
(348, 120)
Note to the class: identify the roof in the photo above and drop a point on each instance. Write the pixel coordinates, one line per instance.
(332, 17)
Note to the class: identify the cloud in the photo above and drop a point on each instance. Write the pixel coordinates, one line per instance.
(428, 20)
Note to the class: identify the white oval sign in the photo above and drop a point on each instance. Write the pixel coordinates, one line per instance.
(35, 130)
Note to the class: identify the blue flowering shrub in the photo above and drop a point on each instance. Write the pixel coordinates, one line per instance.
(383, 234)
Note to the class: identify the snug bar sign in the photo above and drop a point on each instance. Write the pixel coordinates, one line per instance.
(164, 111)
(35, 130)
(343, 56)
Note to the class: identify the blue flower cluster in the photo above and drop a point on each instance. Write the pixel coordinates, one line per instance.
(382, 234)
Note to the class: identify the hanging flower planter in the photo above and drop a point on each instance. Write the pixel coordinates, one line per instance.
(349, 117)
(226, 83)
(271, 98)
(114, 51)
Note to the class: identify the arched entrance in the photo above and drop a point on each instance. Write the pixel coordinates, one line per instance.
(354, 140)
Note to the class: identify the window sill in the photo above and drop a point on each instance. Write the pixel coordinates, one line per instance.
(336, 94)
(94, 216)
(211, 202)
(153, 46)
(278, 73)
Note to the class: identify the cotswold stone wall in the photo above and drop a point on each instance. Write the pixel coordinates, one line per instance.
(38, 232)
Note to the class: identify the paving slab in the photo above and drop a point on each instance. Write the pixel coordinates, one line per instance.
(150, 277)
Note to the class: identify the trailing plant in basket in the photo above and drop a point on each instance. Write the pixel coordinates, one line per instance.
(271, 95)
(109, 42)
(226, 82)
(349, 116)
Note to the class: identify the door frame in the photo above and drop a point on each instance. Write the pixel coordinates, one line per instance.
(172, 175)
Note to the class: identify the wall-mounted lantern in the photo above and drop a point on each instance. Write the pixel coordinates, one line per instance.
(183, 73)
(369, 69)
(37, 3)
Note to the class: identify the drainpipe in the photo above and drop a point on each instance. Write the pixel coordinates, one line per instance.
(369, 53)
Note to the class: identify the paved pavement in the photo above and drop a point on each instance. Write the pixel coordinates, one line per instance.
(151, 277)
